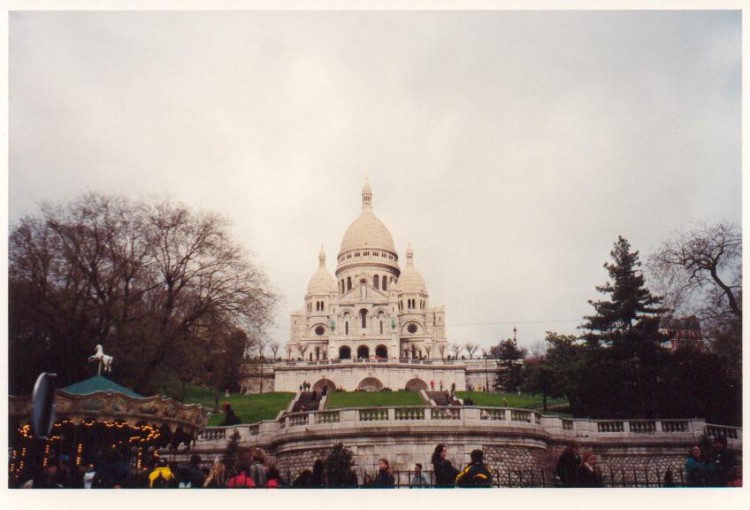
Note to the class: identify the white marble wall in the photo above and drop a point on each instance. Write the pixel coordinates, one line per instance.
(349, 375)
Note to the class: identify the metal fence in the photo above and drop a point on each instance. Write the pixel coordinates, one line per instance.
(538, 478)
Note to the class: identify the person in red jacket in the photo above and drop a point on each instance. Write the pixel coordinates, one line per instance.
(241, 480)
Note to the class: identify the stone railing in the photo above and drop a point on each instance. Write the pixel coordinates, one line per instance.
(478, 419)
(720, 430)
(378, 361)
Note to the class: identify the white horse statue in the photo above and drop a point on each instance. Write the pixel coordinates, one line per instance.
(103, 359)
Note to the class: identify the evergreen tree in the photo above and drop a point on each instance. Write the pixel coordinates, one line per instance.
(509, 366)
(632, 312)
(338, 467)
(624, 362)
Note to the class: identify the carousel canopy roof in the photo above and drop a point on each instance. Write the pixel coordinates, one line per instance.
(99, 383)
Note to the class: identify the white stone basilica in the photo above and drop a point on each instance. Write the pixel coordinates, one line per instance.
(371, 309)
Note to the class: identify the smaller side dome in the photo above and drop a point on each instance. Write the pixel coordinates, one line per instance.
(322, 282)
(411, 281)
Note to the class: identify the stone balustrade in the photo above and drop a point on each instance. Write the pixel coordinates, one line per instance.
(555, 428)
(512, 439)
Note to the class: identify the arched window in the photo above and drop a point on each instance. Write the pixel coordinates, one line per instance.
(348, 283)
(363, 317)
(376, 281)
(385, 283)
(381, 327)
(363, 352)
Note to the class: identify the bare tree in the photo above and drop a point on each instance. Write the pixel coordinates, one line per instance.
(274, 346)
(154, 282)
(303, 348)
(455, 349)
(442, 351)
(702, 266)
(471, 348)
(538, 349)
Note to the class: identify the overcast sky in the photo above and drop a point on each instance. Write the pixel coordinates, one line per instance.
(509, 148)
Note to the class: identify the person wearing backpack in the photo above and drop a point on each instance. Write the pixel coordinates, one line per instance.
(241, 480)
(161, 476)
(475, 474)
(190, 476)
(258, 469)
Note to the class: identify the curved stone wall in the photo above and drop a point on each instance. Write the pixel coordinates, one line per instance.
(514, 440)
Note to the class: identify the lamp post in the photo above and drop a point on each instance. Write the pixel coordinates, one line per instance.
(545, 376)
(637, 370)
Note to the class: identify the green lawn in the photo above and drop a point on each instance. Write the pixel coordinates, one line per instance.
(250, 408)
(524, 400)
(341, 399)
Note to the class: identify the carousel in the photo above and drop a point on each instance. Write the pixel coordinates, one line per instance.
(94, 418)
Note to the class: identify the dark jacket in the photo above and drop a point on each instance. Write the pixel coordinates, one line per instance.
(585, 477)
(567, 466)
(445, 473)
(722, 463)
(384, 479)
(474, 475)
(697, 472)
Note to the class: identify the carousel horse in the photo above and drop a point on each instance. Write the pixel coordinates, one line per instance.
(102, 358)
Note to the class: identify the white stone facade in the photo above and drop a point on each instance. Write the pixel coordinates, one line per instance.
(371, 309)
(369, 375)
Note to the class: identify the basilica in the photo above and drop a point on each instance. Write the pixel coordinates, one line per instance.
(372, 309)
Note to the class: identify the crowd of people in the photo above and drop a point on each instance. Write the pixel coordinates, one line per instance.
(574, 468)
(719, 469)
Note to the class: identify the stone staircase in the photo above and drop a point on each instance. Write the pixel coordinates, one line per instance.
(441, 399)
(306, 399)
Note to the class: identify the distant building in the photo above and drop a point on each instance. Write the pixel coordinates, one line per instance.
(371, 309)
(369, 327)
(681, 331)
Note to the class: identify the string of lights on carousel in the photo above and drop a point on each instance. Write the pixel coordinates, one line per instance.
(143, 435)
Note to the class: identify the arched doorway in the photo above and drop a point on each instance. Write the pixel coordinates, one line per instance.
(370, 384)
(381, 351)
(363, 352)
(324, 383)
(416, 384)
(345, 352)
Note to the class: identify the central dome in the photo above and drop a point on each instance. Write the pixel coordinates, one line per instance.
(367, 231)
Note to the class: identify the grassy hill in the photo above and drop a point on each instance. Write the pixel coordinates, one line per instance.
(340, 399)
(250, 408)
(524, 400)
